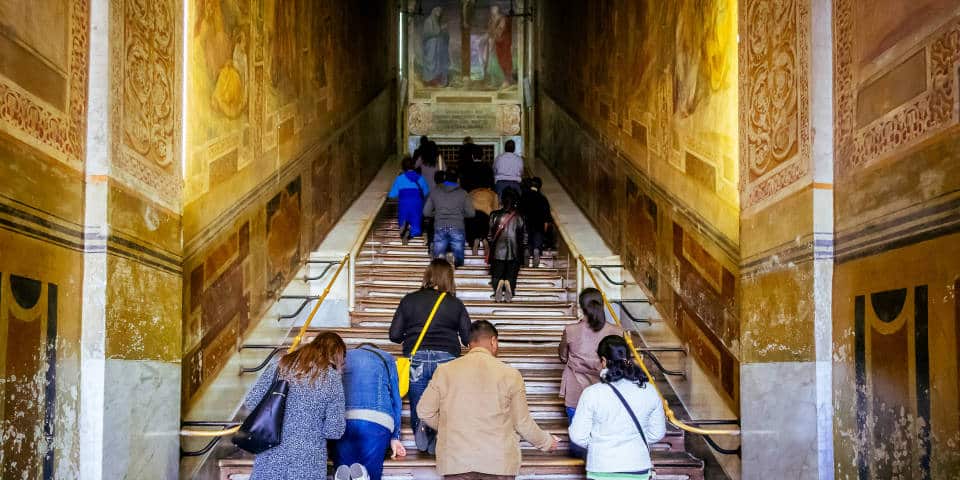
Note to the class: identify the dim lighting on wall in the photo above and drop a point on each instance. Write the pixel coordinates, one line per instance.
(514, 13)
(416, 11)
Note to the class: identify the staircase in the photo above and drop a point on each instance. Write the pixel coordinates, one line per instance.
(530, 328)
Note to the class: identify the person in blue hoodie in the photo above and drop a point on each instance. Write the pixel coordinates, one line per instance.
(373, 406)
(411, 189)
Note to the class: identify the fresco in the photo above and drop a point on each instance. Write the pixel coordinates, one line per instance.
(639, 100)
(466, 44)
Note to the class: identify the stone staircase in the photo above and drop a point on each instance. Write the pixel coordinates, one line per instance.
(530, 328)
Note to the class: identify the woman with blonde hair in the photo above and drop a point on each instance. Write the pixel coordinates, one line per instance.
(314, 409)
(449, 330)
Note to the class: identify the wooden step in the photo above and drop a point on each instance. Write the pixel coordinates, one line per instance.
(535, 465)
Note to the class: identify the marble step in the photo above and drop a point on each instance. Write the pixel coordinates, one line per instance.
(469, 292)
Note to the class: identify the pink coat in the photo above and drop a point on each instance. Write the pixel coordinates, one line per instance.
(578, 350)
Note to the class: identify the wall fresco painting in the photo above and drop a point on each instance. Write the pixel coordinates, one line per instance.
(466, 45)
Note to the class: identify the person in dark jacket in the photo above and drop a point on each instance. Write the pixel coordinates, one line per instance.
(536, 213)
(411, 190)
(373, 412)
(507, 240)
(449, 205)
(449, 330)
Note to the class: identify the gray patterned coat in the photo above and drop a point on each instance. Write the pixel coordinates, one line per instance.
(313, 415)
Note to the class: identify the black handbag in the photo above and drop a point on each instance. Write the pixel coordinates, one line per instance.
(263, 428)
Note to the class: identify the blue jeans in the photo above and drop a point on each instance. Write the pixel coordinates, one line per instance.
(452, 237)
(362, 442)
(576, 451)
(422, 366)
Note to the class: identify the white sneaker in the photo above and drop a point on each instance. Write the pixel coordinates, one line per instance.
(343, 473)
(358, 472)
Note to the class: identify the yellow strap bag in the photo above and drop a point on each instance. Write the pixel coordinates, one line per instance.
(403, 363)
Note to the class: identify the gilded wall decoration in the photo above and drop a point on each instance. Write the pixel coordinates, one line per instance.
(419, 119)
(508, 119)
(907, 124)
(32, 103)
(146, 47)
(774, 76)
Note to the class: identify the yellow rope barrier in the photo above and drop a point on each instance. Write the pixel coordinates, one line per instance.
(636, 355)
(293, 346)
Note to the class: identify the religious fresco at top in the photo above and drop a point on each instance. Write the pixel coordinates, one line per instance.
(466, 45)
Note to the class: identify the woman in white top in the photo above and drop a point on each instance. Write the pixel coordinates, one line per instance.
(616, 449)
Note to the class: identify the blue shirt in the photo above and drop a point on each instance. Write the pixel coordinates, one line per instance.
(371, 388)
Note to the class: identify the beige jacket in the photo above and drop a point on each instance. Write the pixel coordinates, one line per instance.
(478, 405)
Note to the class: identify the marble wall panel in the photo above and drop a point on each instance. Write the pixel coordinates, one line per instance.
(897, 198)
(39, 355)
(43, 74)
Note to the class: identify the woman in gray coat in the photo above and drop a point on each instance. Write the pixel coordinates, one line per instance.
(314, 413)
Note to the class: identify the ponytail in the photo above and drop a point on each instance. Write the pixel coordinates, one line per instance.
(591, 302)
(620, 364)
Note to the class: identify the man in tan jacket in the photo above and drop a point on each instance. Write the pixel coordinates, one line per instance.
(478, 405)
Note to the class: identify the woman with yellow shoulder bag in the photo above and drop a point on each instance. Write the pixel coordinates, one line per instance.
(433, 325)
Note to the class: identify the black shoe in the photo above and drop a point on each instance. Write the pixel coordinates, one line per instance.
(536, 258)
(405, 234)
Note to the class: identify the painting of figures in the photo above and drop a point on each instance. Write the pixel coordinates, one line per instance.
(466, 44)
(220, 60)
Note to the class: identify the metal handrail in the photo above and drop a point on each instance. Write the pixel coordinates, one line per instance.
(621, 283)
(636, 355)
(629, 315)
(329, 263)
(293, 346)
(306, 300)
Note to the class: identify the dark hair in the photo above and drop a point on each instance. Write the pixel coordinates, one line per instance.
(620, 364)
(423, 140)
(430, 153)
(451, 175)
(439, 275)
(536, 182)
(510, 146)
(591, 302)
(509, 199)
(407, 163)
(482, 329)
(439, 177)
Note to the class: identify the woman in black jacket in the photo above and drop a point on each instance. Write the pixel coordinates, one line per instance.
(449, 330)
(507, 241)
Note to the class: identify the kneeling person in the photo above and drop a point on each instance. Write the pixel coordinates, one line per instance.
(373, 406)
(478, 404)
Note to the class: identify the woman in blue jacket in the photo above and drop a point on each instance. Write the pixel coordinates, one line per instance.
(373, 406)
(410, 188)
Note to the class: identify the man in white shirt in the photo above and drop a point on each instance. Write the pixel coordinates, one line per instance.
(508, 169)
